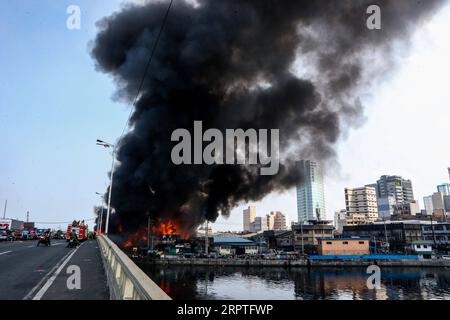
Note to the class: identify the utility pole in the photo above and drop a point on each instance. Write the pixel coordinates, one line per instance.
(206, 238)
(385, 232)
(4, 210)
(301, 235)
(28, 216)
(432, 230)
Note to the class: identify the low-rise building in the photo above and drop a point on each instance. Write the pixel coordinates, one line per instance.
(344, 246)
(307, 236)
(399, 234)
(233, 246)
(424, 249)
(437, 232)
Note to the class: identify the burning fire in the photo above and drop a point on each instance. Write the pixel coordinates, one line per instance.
(168, 228)
(165, 229)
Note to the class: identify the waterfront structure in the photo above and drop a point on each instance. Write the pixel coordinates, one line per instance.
(344, 246)
(233, 246)
(386, 206)
(400, 188)
(428, 204)
(437, 232)
(362, 201)
(424, 249)
(397, 233)
(284, 240)
(249, 216)
(306, 236)
(310, 192)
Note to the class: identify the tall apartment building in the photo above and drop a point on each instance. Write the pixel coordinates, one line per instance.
(400, 188)
(310, 192)
(428, 204)
(249, 216)
(362, 201)
(276, 221)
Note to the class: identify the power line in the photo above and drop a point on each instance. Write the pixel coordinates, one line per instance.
(64, 222)
(152, 53)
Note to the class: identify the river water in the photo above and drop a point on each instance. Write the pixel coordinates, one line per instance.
(192, 283)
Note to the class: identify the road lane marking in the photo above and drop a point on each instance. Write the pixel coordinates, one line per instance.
(60, 264)
(2, 253)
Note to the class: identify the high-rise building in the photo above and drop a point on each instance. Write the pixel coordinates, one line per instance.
(397, 186)
(386, 207)
(279, 223)
(407, 209)
(260, 224)
(438, 201)
(428, 204)
(276, 221)
(444, 189)
(310, 192)
(447, 203)
(362, 201)
(249, 216)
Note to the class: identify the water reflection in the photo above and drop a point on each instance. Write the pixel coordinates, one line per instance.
(184, 282)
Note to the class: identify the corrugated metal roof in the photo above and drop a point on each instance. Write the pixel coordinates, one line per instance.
(345, 238)
(232, 240)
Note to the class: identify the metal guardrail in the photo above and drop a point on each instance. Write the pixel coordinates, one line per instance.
(125, 280)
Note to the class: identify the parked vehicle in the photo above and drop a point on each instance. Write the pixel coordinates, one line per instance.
(4, 235)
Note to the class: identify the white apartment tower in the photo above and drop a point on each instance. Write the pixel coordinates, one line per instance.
(362, 201)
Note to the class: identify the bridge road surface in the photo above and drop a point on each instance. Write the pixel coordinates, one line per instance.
(40, 273)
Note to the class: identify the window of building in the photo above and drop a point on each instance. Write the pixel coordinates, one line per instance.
(345, 242)
(329, 242)
(361, 242)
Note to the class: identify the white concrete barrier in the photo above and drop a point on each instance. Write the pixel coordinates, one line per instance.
(125, 280)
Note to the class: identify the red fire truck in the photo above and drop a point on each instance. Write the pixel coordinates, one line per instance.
(81, 230)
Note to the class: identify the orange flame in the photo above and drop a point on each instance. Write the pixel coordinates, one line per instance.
(167, 228)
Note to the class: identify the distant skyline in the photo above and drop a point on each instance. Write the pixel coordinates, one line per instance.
(55, 105)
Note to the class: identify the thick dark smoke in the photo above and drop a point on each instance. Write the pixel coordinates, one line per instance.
(298, 66)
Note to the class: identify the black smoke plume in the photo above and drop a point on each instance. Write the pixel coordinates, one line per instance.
(298, 66)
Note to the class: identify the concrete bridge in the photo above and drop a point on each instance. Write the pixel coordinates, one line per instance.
(96, 270)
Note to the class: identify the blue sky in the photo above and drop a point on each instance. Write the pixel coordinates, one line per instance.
(54, 105)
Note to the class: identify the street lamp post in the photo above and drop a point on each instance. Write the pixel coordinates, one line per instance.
(109, 145)
(100, 216)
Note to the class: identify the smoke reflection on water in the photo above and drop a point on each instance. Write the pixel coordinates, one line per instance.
(184, 282)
